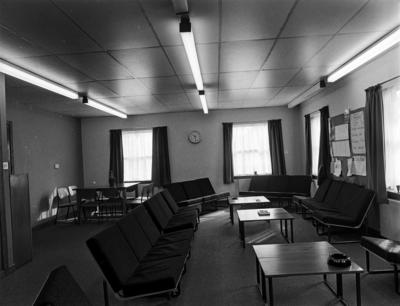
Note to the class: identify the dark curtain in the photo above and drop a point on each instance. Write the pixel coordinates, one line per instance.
(160, 168)
(228, 159)
(116, 174)
(324, 158)
(308, 145)
(375, 141)
(276, 147)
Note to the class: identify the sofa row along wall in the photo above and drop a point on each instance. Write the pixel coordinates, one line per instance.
(40, 140)
(349, 93)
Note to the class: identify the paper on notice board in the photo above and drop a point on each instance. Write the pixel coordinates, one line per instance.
(341, 148)
(357, 132)
(341, 132)
(349, 167)
(359, 165)
(338, 168)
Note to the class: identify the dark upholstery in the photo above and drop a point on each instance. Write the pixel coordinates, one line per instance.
(279, 186)
(322, 190)
(177, 191)
(179, 210)
(61, 289)
(333, 193)
(192, 189)
(387, 249)
(205, 186)
(147, 224)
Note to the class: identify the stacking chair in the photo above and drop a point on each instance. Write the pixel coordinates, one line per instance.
(89, 202)
(64, 201)
(147, 193)
(61, 289)
(110, 203)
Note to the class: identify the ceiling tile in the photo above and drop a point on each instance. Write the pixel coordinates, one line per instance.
(237, 80)
(229, 105)
(173, 99)
(210, 81)
(204, 16)
(263, 94)
(231, 95)
(286, 95)
(113, 24)
(99, 66)
(163, 85)
(244, 56)
(92, 89)
(294, 52)
(253, 19)
(128, 87)
(320, 17)
(274, 78)
(147, 62)
(376, 16)
(164, 20)
(52, 68)
(207, 54)
(309, 76)
(42, 22)
(342, 48)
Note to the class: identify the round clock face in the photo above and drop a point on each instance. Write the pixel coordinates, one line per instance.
(194, 137)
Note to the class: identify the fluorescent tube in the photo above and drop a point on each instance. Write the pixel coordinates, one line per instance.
(105, 108)
(190, 48)
(384, 44)
(19, 73)
(203, 102)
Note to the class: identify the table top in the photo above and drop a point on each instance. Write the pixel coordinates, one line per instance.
(307, 258)
(248, 200)
(246, 215)
(116, 186)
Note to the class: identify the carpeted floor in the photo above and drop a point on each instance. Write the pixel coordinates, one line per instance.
(219, 272)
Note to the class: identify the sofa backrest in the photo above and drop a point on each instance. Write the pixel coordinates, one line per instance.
(114, 256)
(170, 201)
(159, 210)
(205, 186)
(134, 234)
(147, 224)
(177, 191)
(192, 189)
(299, 184)
(357, 202)
(333, 193)
(322, 190)
(281, 183)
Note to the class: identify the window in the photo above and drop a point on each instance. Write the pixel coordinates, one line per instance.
(250, 149)
(137, 147)
(391, 109)
(315, 123)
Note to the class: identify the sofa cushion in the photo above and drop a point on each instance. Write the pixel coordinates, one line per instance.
(154, 276)
(322, 190)
(135, 235)
(385, 248)
(172, 237)
(170, 201)
(147, 224)
(114, 255)
(205, 186)
(192, 189)
(299, 184)
(358, 202)
(177, 191)
(181, 222)
(155, 208)
(166, 250)
(335, 218)
(257, 183)
(333, 192)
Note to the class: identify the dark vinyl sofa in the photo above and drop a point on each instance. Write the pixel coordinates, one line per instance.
(140, 256)
(278, 187)
(197, 193)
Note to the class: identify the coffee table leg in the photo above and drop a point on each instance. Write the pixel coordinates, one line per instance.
(263, 287)
(241, 233)
(286, 231)
(270, 292)
(358, 289)
(339, 286)
(258, 271)
(291, 230)
(280, 226)
(231, 213)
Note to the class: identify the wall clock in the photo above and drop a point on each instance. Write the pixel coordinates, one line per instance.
(194, 137)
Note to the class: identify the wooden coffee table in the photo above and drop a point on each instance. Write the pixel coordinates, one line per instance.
(251, 215)
(243, 201)
(295, 259)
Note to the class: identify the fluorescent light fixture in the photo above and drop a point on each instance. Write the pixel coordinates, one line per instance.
(19, 73)
(382, 45)
(104, 108)
(308, 94)
(203, 101)
(185, 28)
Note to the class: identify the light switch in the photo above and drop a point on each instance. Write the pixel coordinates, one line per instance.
(5, 165)
(56, 166)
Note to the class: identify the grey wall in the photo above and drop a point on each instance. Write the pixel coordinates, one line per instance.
(349, 92)
(187, 160)
(42, 139)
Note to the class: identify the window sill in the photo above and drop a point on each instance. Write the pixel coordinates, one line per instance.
(393, 195)
(249, 176)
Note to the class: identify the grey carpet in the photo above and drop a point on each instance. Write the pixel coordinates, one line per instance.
(219, 272)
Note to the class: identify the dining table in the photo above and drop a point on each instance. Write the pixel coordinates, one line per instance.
(122, 188)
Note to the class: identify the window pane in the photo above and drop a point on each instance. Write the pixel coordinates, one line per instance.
(250, 149)
(315, 123)
(391, 106)
(137, 147)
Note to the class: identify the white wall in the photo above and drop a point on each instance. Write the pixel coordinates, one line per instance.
(188, 161)
(349, 92)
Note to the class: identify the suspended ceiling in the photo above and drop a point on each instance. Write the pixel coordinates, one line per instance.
(129, 54)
